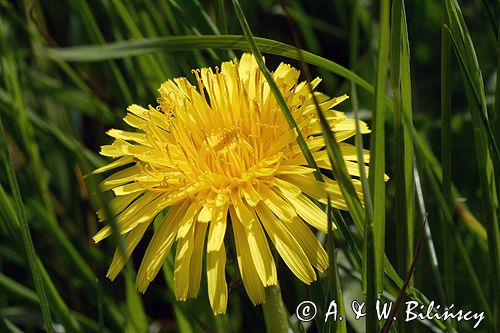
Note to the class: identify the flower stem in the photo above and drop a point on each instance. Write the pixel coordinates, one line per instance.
(275, 313)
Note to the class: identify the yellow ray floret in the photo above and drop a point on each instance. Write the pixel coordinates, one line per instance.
(222, 152)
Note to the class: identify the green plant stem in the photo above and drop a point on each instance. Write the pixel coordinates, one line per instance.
(274, 310)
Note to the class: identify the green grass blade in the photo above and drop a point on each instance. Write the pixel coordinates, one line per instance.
(131, 48)
(446, 148)
(90, 24)
(377, 152)
(60, 309)
(61, 238)
(135, 313)
(15, 89)
(334, 287)
(433, 258)
(8, 216)
(220, 14)
(403, 146)
(25, 232)
(11, 286)
(138, 321)
(306, 25)
(459, 243)
(477, 100)
(487, 154)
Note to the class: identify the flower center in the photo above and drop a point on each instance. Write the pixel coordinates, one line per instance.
(223, 140)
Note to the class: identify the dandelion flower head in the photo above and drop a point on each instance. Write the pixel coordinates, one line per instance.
(221, 153)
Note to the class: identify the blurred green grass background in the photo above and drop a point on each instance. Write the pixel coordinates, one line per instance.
(70, 69)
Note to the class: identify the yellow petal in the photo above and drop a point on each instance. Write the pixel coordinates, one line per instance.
(309, 243)
(291, 252)
(282, 209)
(252, 196)
(217, 229)
(141, 210)
(251, 280)
(158, 118)
(185, 247)
(216, 280)
(196, 260)
(242, 211)
(131, 241)
(288, 189)
(349, 152)
(129, 136)
(261, 253)
(309, 212)
(159, 246)
(307, 184)
(188, 219)
(118, 204)
(121, 177)
(128, 188)
(294, 169)
(115, 164)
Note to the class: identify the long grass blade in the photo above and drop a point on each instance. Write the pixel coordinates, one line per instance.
(25, 233)
(487, 153)
(446, 148)
(403, 146)
(334, 287)
(124, 49)
(377, 150)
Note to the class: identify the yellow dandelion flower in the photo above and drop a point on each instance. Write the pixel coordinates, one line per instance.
(223, 153)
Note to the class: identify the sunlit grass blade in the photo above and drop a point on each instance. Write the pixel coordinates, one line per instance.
(7, 216)
(377, 153)
(352, 248)
(130, 48)
(25, 232)
(64, 139)
(220, 14)
(470, 220)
